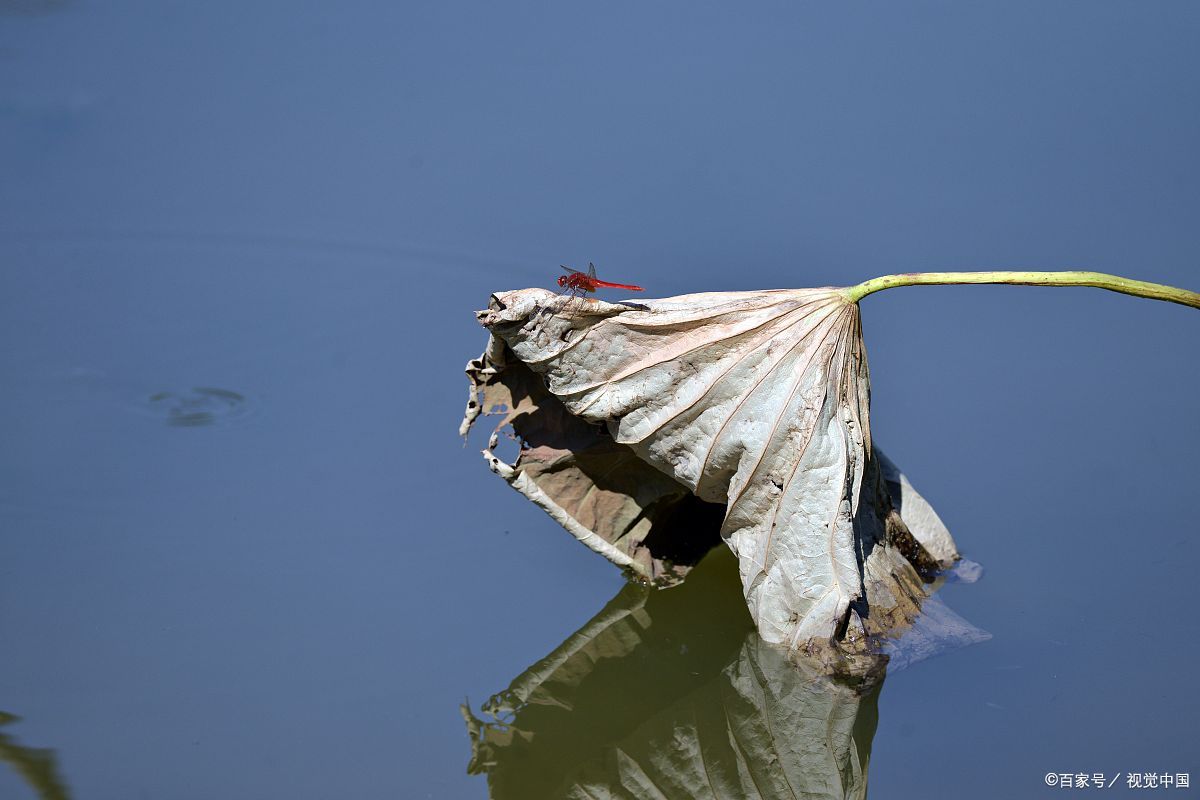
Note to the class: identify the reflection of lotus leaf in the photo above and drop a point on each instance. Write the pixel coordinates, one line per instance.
(672, 694)
(762, 728)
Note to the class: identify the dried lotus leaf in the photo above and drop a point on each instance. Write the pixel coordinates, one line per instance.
(757, 400)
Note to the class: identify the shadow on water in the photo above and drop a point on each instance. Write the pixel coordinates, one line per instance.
(36, 765)
(201, 405)
(672, 693)
(186, 407)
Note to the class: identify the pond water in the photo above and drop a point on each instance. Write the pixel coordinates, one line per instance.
(243, 552)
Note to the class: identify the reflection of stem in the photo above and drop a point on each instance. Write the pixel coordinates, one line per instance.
(1099, 280)
(37, 766)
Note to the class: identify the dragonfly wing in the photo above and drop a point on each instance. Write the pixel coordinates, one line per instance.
(591, 270)
(569, 270)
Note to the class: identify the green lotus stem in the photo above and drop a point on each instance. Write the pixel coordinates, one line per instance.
(1099, 280)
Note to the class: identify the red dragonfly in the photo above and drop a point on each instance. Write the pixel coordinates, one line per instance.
(579, 283)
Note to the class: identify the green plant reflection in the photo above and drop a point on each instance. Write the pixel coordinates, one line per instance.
(37, 766)
(671, 693)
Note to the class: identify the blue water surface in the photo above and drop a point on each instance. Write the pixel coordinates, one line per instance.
(243, 552)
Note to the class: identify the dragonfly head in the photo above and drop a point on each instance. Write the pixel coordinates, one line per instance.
(562, 280)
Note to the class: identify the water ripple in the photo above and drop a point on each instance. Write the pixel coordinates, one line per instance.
(201, 405)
